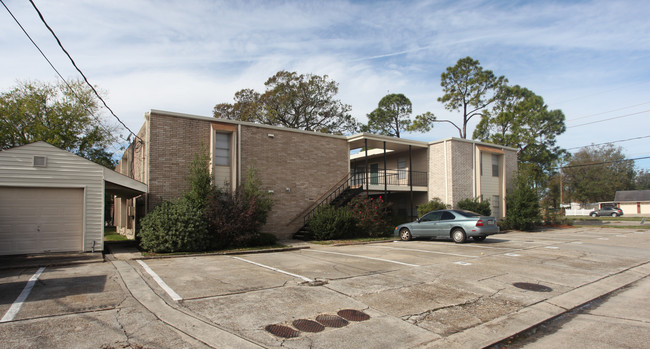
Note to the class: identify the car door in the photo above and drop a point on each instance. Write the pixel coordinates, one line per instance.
(444, 225)
(426, 225)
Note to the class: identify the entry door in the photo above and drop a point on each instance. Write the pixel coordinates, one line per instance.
(374, 173)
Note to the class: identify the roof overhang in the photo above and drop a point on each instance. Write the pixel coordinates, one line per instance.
(377, 142)
(121, 185)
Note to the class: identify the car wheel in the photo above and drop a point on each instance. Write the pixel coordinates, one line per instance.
(405, 234)
(614, 214)
(594, 214)
(479, 238)
(458, 235)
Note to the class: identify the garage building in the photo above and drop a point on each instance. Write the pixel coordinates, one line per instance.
(53, 201)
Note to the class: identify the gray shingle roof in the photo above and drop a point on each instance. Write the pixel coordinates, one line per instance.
(632, 195)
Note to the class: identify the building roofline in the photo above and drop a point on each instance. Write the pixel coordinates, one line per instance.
(237, 122)
(473, 142)
(387, 139)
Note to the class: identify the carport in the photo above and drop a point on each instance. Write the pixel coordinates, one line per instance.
(53, 201)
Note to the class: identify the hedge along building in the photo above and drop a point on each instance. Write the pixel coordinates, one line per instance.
(304, 169)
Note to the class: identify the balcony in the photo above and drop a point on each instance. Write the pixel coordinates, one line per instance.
(390, 180)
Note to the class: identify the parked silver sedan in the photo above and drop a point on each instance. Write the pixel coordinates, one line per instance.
(457, 225)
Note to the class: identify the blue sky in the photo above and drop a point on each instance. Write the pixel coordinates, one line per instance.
(591, 59)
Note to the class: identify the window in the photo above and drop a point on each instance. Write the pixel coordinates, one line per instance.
(446, 216)
(495, 165)
(401, 168)
(222, 149)
(431, 217)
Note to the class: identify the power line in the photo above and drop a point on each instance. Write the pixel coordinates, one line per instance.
(609, 111)
(80, 72)
(618, 141)
(74, 92)
(604, 162)
(612, 118)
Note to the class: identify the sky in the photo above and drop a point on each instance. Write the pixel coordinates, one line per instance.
(590, 59)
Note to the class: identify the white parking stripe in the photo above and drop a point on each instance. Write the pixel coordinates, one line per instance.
(13, 311)
(425, 251)
(160, 282)
(274, 269)
(365, 257)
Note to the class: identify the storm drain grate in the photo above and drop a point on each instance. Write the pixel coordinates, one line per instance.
(331, 320)
(532, 287)
(282, 331)
(353, 315)
(308, 325)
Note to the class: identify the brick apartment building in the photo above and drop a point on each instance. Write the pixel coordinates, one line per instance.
(302, 169)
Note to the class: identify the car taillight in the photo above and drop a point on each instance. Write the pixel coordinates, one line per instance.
(479, 223)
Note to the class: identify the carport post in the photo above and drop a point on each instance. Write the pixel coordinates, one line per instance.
(367, 179)
(411, 178)
(385, 176)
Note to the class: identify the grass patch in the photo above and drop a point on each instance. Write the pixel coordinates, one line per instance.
(234, 250)
(110, 234)
(352, 241)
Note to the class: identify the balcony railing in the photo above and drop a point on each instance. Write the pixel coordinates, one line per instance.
(389, 177)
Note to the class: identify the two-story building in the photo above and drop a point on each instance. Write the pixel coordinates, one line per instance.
(303, 169)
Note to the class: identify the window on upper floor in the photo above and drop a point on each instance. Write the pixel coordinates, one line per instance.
(495, 165)
(222, 149)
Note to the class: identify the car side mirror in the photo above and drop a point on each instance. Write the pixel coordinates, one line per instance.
(418, 220)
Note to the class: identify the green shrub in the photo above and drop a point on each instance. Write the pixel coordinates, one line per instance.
(331, 222)
(477, 205)
(433, 205)
(262, 239)
(234, 218)
(523, 206)
(370, 214)
(174, 226)
(200, 179)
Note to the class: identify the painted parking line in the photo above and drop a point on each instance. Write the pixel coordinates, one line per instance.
(512, 255)
(18, 303)
(160, 282)
(364, 257)
(275, 269)
(426, 251)
(552, 247)
(462, 263)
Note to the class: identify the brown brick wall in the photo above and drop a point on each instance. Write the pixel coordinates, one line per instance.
(173, 143)
(307, 164)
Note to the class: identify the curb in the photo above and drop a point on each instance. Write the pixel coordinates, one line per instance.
(491, 333)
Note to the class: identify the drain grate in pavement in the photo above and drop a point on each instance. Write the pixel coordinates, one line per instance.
(308, 325)
(282, 331)
(532, 287)
(331, 320)
(353, 315)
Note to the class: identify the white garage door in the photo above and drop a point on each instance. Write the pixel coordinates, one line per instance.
(36, 220)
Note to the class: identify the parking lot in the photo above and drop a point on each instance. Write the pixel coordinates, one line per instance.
(393, 294)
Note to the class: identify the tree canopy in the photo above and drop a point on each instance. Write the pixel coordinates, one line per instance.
(595, 173)
(393, 114)
(66, 117)
(520, 119)
(293, 100)
(468, 89)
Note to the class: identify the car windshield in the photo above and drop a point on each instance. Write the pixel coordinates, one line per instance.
(467, 214)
